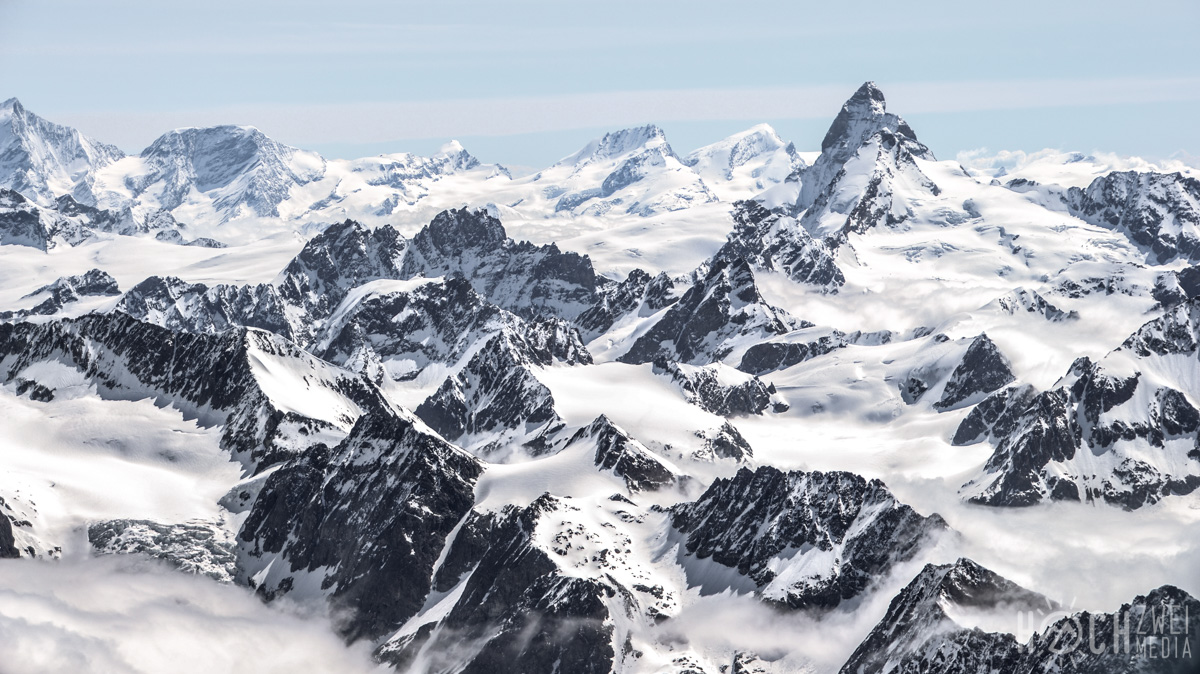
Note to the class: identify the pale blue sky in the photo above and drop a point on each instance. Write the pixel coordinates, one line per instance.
(525, 82)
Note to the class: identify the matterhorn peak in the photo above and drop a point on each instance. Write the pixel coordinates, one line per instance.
(863, 119)
(866, 104)
(862, 116)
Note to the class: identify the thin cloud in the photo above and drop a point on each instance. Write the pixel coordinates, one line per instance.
(354, 123)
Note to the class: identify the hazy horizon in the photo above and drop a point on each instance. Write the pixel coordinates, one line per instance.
(530, 82)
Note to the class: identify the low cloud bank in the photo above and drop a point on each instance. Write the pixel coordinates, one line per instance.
(129, 615)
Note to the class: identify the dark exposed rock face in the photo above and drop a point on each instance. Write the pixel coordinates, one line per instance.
(344, 256)
(518, 613)
(1176, 332)
(552, 340)
(368, 516)
(103, 220)
(197, 308)
(422, 324)
(889, 164)
(65, 290)
(722, 307)
(1125, 422)
(1157, 624)
(92, 283)
(415, 324)
(1158, 211)
(779, 355)
(638, 293)
(748, 521)
(341, 298)
(613, 301)
(8, 548)
(24, 223)
(64, 220)
(773, 241)
(209, 375)
(525, 279)
(494, 402)
(919, 633)
(983, 369)
(618, 453)
(1045, 430)
(861, 117)
(702, 387)
(725, 442)
(1171, 287)
(997, 415)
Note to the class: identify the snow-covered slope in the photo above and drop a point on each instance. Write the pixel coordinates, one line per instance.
(44, 161)
(746, 163)
(211, 174)
(633, 171)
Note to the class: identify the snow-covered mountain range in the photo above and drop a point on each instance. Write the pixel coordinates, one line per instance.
(750, 409)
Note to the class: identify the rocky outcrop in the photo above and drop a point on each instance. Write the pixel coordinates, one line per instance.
(240, 379)
(639, 294)
(983, 369)
(203, 548)
(724, 442)
(364, 521)
(54, 297)
(1022, 301)
(719, 311)
(1158, 211)
(772, 241)
(927, 629)
(405, 326)
(620, 454)
(177, 305)
(518, 610)
(8, 547)
(528, 280)
(715, 391)
(1108, 431)
(25, 223)
(919, 632)
(494, 403)
(804, 539)
(337, 260)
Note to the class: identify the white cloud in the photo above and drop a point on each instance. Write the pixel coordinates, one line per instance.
(131, 616)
